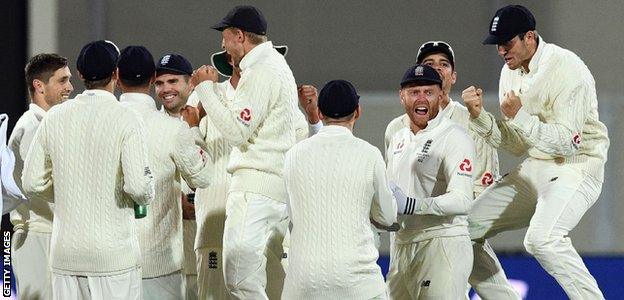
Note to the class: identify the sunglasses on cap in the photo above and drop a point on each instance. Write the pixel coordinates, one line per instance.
(435, 44)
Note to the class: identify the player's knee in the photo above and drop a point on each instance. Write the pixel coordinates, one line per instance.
(538, 244)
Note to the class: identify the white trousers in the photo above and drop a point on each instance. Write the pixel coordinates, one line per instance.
(437, 268)
(125, 286)
(548, 198)
(253, 221)
(189, 286)
(210, 279)
(166, 287)
(31, 265)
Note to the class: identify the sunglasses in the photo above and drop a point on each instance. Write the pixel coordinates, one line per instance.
(438, 44)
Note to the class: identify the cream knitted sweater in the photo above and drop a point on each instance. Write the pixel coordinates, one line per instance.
(336, 183)
(559, 115)
(259, 121)
(89, 155)
(37, 214)
(172, 152)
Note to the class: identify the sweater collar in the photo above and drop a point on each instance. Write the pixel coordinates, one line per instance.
(255, 54)
(335, 130)
(37, 111)
(96, 95)
(534, 63)
(138, 101)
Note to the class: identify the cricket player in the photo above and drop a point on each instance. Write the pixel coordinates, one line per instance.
(48, 80)
(172, 152)
(336, 184)
(432, 163)
(211, 202)
(174, 91)
(90, 157)
(259, 121)
(548, 101)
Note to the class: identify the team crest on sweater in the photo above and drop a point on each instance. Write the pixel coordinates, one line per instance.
(576, 141)
(465, 168)
(245, 116)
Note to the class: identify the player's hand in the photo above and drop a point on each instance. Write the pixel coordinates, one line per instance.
(473, 100)
(511, 105)
(308, 98)
(190, 115)
(188, 209)
(202, 111)
(204, 73)
(399, 197)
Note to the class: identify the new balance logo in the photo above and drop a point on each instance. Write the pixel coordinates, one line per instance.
(212, 260)
(426, 283)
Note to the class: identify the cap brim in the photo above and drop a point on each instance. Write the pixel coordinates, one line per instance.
(220, 62)
(220, 26)
(165, 70)
(421, 82)
(497, 39)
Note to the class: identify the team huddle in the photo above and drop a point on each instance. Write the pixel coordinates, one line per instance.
(248, 197)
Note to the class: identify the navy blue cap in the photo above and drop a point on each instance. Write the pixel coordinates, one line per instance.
(421, 75)
(508, 22)
(174, 64)
(244, 17)
(220, 60)
(136, 63)
(338, 99)
(433, 47)
(97, 60)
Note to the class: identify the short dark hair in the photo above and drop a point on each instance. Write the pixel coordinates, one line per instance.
(135, 83)
(42, 67)
(90, 85)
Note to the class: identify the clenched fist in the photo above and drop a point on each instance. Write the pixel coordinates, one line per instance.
(204, 73)
(190, 115)
(308, 98)
(473, 99)
(510, 105)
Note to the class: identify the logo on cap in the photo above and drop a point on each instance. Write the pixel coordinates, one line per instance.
(165, 59)
(494, 24)
(419, 71)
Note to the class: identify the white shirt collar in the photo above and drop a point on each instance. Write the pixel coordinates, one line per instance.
(335, 130)
(37, 111)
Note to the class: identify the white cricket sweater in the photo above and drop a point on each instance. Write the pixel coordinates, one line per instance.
(559, 115)
(486, 167)
(259, 121)
(210, 202)
(172, 153)
(336, 183)
(89, 155)
(436, 166)
(37, 214)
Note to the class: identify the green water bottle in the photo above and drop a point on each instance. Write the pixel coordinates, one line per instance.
(140, 211)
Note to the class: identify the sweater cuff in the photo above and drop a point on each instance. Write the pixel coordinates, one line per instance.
(315, 128)
(205, 92)
(522, 120)
(482, 124)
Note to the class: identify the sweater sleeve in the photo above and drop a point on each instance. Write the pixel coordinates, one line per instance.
(383, 207)
(561, 137)
(137, 176)
(301, 126)
(458, 166)
(37, 181)
(237, 120)
(499, 134)
(189, 159)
